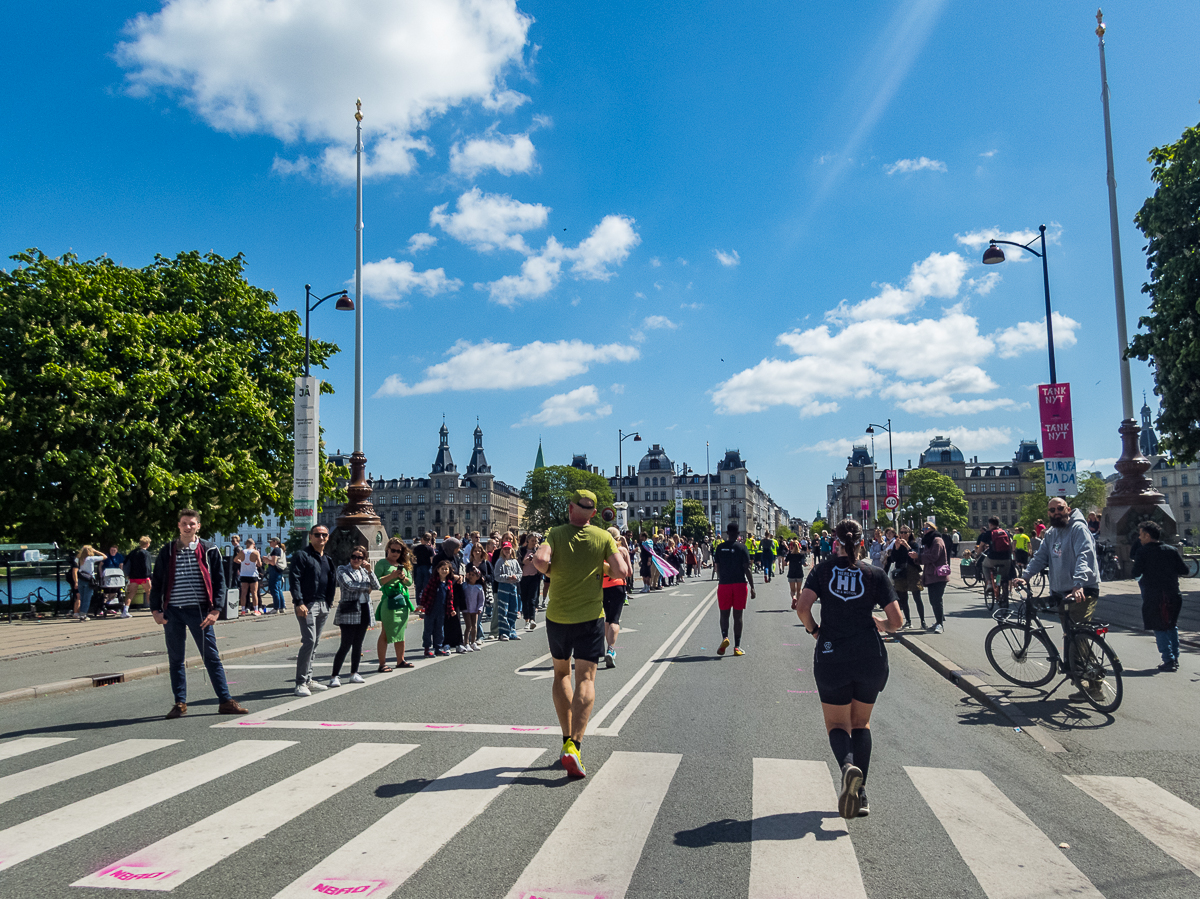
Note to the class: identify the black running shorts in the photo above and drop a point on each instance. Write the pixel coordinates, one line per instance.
(862, 680)
(584, 640)
(614, 602)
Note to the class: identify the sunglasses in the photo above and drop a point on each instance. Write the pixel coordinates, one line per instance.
(358, 558)
(321, 536)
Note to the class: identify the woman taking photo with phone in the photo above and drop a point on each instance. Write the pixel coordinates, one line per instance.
(850, 662)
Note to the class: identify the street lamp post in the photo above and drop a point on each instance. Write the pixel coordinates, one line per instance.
(993, 255)
(344, 304)
(621, 438)
(891, 464)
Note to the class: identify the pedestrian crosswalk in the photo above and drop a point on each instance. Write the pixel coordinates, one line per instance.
(798, 846)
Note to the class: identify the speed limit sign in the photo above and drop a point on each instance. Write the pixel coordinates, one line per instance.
(891, 502)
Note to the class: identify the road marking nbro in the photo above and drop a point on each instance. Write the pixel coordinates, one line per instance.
(800, 847)
(85, 763)
(188, 852)
(70, 822)
(386, 854)
(596, 846)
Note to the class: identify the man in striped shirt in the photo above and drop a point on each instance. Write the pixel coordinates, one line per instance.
(187, 593)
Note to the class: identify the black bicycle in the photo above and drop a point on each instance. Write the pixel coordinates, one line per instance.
(1022, 652)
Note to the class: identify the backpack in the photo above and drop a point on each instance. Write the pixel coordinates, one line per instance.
(1001, 542)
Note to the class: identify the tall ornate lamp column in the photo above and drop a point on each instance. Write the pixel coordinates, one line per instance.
(358, 525)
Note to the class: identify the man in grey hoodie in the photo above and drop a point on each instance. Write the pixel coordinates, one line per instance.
(1068, 553)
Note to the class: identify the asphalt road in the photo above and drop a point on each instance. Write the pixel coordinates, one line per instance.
(708, 777)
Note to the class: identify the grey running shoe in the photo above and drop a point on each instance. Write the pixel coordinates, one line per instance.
(863, 809)
(848, 800)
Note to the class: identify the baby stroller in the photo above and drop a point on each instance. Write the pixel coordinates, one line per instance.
(110, 592)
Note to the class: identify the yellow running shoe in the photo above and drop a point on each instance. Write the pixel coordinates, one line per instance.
(571, 761)
(724, 646)
(738, 651)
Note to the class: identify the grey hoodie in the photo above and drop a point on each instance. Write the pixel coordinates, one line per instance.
(1069, 554)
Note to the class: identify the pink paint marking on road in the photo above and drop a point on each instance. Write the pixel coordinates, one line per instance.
(250, 723)
(135, 872)
(336, 723)
(529, 730)
(442, 726)
(336, 886)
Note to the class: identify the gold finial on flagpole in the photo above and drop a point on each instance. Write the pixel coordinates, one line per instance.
(358, 114)
(1099, 23)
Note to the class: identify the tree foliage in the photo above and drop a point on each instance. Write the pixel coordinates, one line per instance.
(695, 522)
(128, 394)
(785, 533)
(1092, 496)
(547, 492)
(949, 504)
(1171, 222)
(818, 526)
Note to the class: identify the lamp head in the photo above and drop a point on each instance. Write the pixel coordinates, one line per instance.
(344, 303)
(992, 255)
(637, 438)
(871, 430)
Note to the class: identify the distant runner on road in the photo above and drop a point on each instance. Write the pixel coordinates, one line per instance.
(734, 576)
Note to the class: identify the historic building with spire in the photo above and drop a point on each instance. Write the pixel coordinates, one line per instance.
(1176, 482)
(445, 502)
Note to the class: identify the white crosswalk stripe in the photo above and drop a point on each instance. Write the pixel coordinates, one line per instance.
(1009, 856)
(70, 822)
(800, 848)
(1161, 817)
(609, 821)
(186, 853)
(13, 748)
(376, 863)
(27, 781)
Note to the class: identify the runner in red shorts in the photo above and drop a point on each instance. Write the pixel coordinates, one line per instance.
(734, 577)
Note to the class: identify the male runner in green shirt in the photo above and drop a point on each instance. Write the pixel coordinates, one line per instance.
(575, 615)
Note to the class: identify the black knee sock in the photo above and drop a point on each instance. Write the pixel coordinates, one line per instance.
(737, 627)
(860, 739)
(840, 743)
(724, 623)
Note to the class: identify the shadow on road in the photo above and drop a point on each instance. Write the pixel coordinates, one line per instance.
(790, 826)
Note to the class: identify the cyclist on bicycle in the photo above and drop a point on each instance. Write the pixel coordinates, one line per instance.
(997, 546)
(1069, 555)
(1020, 541)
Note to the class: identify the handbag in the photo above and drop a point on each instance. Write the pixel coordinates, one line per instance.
(942, 570)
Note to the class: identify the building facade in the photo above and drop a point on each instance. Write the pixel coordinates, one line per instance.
(1180, 484)
(445, 502)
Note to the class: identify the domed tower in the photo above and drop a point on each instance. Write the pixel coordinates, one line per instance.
(444, 464)
(478, 463)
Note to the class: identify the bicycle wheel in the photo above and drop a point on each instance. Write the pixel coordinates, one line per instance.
(1020, 655)
(989, 596)
(1096, 671)
(970, 575)
(1193, 567)
(1037, 584)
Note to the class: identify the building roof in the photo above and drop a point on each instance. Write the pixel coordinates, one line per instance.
(479, 462)
(941, 451)
(732, 461)
(655, 460)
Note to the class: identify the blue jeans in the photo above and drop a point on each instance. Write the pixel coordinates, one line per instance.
(179, 622)
(85, 596)
(421, 576)
(504, 615)
(275, 587)
(1168, 644)
(434, 635)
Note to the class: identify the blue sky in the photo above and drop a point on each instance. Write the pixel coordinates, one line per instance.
(756, 225)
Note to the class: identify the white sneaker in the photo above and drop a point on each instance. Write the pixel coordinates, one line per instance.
(316, 685)
(335, 681)
(533, 625)
(470, 647)
(514, 636)
(302, 690)
(125, 613)
(356, 678)
(502, 637)
(460, 649)
(477, 646)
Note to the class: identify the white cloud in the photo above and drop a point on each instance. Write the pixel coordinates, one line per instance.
(617, 388)
(390, 281)
(936, 406)
(969, 440)
(506, 153)
(977, 240)
(1025, 336)
(288, 68)
(691, 305)
(729, 260)
(655, 262)
(501, 366)
(580, 404)
(988, 154)
(486, 221)
(939, 275)
(610, 243)
(681, 260)
(906, 166)
(1104, 466)
(984, 284)
(421, 241)
(659, 321)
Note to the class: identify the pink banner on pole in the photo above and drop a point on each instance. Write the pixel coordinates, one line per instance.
(893, 482)
(1054, 407)
(864, 506)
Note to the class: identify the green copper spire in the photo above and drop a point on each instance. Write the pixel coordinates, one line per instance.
(539, 462)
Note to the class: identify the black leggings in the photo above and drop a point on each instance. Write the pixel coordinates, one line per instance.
(528, 590)
(737, 625)
(936, 590)
(902, 595)
(352, 641)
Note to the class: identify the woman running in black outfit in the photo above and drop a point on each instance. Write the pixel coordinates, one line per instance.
(850, 663)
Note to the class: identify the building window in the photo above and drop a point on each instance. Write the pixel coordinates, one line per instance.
(408, 499)
(467, 498)
(483, 498)
(974, 505)
(647, 496)
(437, 484)
(993, 505)
(732, 479)
(408, 514)
(972, 488)
(449, 497)
(437, 497)
(646, 482)
(421, 498)
(1183, 480)
(420, 515)
(467, 515)
(1186, 500)
(1164, 482)
(1187, 516)
(483, 516)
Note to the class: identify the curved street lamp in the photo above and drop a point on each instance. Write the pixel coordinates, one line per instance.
(344, 304)
(993, 255)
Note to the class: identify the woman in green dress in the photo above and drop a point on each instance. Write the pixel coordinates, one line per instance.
(395, 576)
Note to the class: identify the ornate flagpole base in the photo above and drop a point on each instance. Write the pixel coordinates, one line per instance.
(358, 525)
(1133, 498)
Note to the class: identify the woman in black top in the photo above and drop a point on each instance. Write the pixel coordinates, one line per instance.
(902, 562)
(850, 663)
(795, 569)
(1159, 566)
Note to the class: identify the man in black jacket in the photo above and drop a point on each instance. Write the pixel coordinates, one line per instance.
(187, 593)
(312, 580)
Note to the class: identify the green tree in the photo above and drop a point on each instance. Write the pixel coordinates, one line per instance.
(785, 533)
(1171, 222)
(949, 504)
(547, 492)
(818, 526)
(695, 522)
(128, 394)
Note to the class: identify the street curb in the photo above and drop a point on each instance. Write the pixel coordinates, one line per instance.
(975, 687)
(85, 683)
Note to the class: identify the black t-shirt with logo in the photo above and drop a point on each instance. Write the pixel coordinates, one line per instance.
(732, 559)
(795, 562)
(848, 596)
